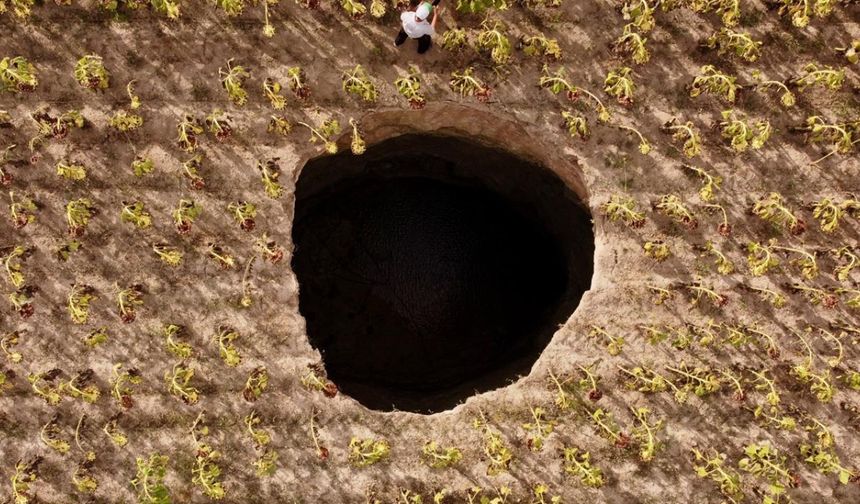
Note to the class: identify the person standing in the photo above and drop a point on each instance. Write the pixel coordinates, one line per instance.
(415, 25)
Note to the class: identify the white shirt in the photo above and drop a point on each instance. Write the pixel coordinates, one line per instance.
(414, 27)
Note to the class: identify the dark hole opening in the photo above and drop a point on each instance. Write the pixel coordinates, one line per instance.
(432, 268)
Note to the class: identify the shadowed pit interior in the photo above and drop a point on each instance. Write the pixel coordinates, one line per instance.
(433, 267)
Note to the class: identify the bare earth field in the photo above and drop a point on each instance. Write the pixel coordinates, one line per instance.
(763, 384)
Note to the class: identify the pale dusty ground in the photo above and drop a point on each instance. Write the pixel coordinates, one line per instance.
(176, 67)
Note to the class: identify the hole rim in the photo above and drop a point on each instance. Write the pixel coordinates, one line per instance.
(507, 135)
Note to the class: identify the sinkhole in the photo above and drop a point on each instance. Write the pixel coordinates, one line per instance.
(432, 268)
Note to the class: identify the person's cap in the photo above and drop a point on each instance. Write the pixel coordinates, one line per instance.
(423, 11)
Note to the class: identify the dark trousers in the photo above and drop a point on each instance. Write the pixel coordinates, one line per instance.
(424, 41)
